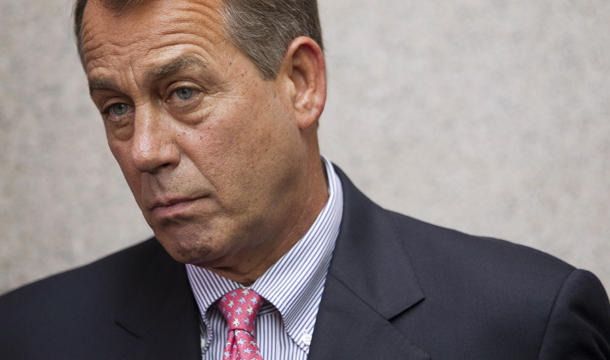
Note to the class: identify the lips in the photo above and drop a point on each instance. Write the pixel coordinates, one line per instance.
(169, 208)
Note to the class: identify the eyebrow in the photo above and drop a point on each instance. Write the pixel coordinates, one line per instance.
(101, 84)
(173, 67)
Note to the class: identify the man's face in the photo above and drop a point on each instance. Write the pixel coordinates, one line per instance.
(211, 151)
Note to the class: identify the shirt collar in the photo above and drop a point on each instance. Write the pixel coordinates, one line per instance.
(295, 282)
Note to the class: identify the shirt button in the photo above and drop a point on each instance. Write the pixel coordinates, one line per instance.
(306, 339)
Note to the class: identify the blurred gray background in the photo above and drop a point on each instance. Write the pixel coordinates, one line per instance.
(487, 116)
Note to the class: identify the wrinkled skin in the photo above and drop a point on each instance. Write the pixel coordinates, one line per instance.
(223, 164)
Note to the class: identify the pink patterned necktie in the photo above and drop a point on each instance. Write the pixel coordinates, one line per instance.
(240, 308)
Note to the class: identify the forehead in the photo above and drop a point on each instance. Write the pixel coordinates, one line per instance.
(152, 26)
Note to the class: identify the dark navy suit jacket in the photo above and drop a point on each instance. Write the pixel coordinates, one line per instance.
(397, 288)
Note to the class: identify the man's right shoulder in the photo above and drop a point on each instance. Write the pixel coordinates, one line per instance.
(63, 308)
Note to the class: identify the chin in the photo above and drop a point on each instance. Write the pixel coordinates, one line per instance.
(187, 249)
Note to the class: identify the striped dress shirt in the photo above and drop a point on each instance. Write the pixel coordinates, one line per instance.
(292, 287)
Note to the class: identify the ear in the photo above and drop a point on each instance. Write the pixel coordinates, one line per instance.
(304, 71)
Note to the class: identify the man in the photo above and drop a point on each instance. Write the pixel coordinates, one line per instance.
(211, 109)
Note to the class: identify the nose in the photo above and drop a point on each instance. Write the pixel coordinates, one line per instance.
(153, 147)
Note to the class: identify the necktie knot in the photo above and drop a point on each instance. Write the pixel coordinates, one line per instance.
(240, 308)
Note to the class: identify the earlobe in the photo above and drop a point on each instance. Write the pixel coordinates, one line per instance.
(305, 70)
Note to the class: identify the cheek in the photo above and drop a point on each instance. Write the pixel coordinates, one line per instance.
(211, 148)
(228, 131)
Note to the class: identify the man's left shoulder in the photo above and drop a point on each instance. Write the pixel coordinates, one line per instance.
(425, 243)
(516, 293)
(458, 296)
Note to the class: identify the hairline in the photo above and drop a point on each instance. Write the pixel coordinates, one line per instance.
(117, 9)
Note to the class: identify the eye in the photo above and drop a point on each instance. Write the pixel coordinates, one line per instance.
(119, 109)
(184, 93)
(183, 96)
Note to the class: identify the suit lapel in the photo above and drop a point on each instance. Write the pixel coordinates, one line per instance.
(161, 313)
(370, 281)
(347, 328)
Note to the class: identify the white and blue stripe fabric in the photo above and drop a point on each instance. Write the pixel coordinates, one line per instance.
(292, 287)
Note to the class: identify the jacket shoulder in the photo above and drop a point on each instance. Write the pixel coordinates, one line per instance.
(72, 310)
(518, 295)
(498, 271)
(427, 241)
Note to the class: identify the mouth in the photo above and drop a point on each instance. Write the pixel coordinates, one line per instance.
(173, 207)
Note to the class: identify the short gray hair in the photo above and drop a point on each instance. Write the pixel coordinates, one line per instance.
(261, 29)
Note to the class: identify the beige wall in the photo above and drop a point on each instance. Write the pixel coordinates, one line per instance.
(488, 116)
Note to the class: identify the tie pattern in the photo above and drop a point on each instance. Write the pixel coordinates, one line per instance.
(240, 307)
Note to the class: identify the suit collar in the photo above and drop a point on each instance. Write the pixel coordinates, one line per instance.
(370, 281)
